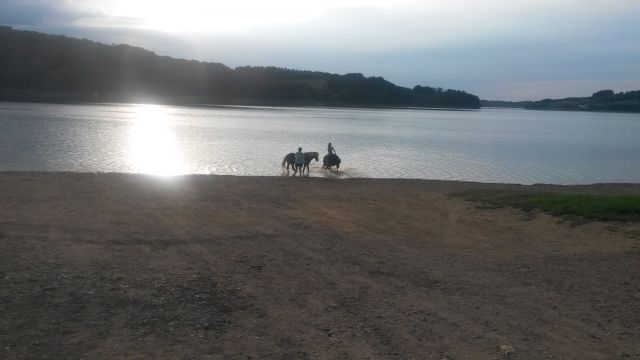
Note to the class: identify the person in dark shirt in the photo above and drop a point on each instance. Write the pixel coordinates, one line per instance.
(331, 150)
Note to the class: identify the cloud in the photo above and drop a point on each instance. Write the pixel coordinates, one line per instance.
(42, 13)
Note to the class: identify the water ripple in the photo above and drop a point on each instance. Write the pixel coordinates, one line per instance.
(490, 146)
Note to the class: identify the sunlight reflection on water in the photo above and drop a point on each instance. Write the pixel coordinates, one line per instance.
(153, 148)
(490, 145)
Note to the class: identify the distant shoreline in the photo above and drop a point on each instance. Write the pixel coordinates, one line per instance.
(600, 101)
(562, 110)
(609, 187)
(169, 102)
(289, 105)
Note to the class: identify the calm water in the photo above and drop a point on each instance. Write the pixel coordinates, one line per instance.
(489, 145)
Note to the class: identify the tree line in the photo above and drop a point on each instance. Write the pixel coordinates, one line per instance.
(603, 100)
(41, 67)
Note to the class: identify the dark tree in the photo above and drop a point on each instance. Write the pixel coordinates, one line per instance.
(40, 67)
(603, 93)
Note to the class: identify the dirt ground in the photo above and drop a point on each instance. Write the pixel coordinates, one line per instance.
(131, 266)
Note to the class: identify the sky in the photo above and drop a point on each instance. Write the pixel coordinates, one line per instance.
(496, 49)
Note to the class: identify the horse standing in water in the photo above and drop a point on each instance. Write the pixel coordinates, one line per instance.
(330, 160)
(290, 160)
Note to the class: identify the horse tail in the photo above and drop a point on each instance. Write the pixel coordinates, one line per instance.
(284, 161)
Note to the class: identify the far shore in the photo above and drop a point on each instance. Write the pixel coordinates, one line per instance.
(135, 266)
(203, 103)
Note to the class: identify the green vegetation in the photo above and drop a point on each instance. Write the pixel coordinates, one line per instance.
(603, 100)
(41, 67)
(586, 206)
(505, 104)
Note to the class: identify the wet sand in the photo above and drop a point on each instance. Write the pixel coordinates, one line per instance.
(113, 266)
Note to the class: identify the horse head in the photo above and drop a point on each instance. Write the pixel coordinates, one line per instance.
(316, 156)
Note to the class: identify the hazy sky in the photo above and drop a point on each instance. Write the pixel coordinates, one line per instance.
(496, 49)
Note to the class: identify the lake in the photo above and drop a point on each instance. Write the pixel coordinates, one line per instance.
(488, 145)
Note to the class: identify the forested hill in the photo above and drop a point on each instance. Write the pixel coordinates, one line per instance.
(603, 100)
(41, 67)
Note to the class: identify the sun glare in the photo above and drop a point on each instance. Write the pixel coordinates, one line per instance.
(153, 148)
(202, 15)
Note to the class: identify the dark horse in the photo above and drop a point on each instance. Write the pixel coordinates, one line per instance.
(290, 160)
(330, 160)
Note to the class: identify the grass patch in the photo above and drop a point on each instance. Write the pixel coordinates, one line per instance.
(586, 206)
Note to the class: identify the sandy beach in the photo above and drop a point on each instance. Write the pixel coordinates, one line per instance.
(132, 266)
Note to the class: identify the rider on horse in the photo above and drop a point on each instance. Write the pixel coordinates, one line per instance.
(331, 150)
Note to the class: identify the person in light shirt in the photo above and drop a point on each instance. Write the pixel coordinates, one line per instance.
(299, 162)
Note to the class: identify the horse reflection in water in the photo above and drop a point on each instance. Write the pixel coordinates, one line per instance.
(290, 160)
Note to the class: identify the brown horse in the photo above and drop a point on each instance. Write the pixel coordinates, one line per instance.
(290, 160)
